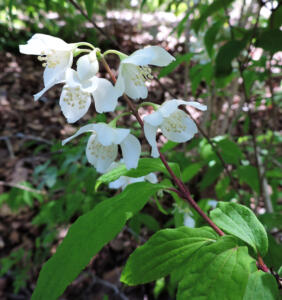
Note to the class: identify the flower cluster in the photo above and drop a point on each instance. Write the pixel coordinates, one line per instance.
(82, 84)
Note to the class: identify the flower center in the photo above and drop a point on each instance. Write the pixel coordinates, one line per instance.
(50, 59)
(76, 97)
(141, 74)
(102, 152)
(174, 123)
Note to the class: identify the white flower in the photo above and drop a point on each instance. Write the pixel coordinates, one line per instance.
(174, 123)
(56, 55)
(81, 84)
(134, 70)
(124, 181)
(102, 146)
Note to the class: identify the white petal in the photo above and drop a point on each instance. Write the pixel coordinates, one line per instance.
(86, 128)
(169, 107)
(72, 79)
(107, 135)
(154, 119)
(74, 103)
(46, 88)
(132, 89)
(121, 182)
(197, 105)
(131, 150)
(152, 55)
(100, 156)
(105, 96)
(57, 66)
(150, 134)
(39, 43)
(178, 127)
(152, 177)
(87, 66)
(120, 85)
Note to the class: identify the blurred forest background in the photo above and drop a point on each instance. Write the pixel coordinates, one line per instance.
(228, 56)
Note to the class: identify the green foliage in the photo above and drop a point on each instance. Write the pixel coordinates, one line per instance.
(88, 235)
(166, 250)
(145, 166)
(208, 10)
(179, 60)
(226, 54)
(241, 222)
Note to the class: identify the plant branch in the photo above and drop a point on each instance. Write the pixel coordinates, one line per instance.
(80, 9)
(184, 191)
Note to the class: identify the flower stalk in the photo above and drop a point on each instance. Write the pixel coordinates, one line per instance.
(183, 190)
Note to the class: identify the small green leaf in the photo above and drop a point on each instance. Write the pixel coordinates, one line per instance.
(190, 171)
(218, 271)
(241, 222)
(179, 60)
(230, 151)
(261, 286)
(225, 56)
(165, 251)
(87, 236)
(145, 166)
(211, 176)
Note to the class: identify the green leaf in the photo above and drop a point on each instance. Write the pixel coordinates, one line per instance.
(275, 20)
(214, 7)
(179, 60)
(241, 222)
(87, 236)
(273, 258)
(190, 171)
(225, 55)
(271, 220)
(89, 7)
(218, 271)
(211, 176)
(230, 151)
(210, 37)
(145, 166)
(270, 40)
(261, 285)
(249, 175)
(165, 251)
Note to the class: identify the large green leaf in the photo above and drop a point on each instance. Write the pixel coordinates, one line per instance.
(218, 271)
(165, 251)
(261, 286)
(87, 236)
(145, 166)
(225, 55)
(240, 221)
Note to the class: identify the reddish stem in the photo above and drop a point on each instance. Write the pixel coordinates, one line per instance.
(183, 190)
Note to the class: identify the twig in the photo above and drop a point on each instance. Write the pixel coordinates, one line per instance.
(183, 190)
(78, 7)
(6, 139)
(22, 187)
